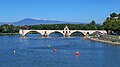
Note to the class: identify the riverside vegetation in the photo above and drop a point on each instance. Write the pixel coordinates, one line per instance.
(15, 29)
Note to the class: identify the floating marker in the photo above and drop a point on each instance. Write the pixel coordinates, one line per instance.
(48, 45)
(77, 53)
(14, 51)
(54, 50)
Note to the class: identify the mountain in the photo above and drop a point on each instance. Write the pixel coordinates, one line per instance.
(29, 21)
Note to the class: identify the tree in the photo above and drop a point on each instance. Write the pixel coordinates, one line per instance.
(107, 25)
(93, 25)
(119, 16)
(113, 15)
(108, 18)
(1, 29)
(100, 27)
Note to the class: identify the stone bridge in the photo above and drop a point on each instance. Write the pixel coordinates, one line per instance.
(66, 32)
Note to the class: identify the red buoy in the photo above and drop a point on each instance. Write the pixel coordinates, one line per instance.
(77, 53)
(54, 50)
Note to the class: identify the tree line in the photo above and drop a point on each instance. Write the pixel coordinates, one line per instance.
(15, 29)
(111, 25)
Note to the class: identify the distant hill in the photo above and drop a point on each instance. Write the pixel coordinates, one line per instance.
(29, 21)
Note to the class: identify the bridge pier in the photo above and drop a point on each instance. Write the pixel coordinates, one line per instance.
(45, 35)
(22, 35)
(66, 35)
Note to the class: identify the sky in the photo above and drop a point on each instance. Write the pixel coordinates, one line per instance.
(64, 10)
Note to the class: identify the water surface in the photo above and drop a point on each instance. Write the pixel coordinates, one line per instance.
(33, 51)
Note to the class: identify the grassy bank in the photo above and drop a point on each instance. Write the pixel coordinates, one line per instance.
(111, 39)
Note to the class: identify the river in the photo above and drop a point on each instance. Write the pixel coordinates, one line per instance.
(34, 51)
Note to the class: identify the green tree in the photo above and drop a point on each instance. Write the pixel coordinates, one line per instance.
(1, 29)
(113, 15)
(93, 25)
(119, 16)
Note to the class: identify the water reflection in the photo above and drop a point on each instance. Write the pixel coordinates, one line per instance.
(23, 37)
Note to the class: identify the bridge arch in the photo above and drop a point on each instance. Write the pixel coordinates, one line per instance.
(32, 31)
(56, 32)
(97, 32)
(77, 32)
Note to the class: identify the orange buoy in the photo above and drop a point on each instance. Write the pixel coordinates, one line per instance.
(77, 53)
(54, 50)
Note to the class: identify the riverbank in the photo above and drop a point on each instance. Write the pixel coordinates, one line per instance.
(104, 41)
(2, 34)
